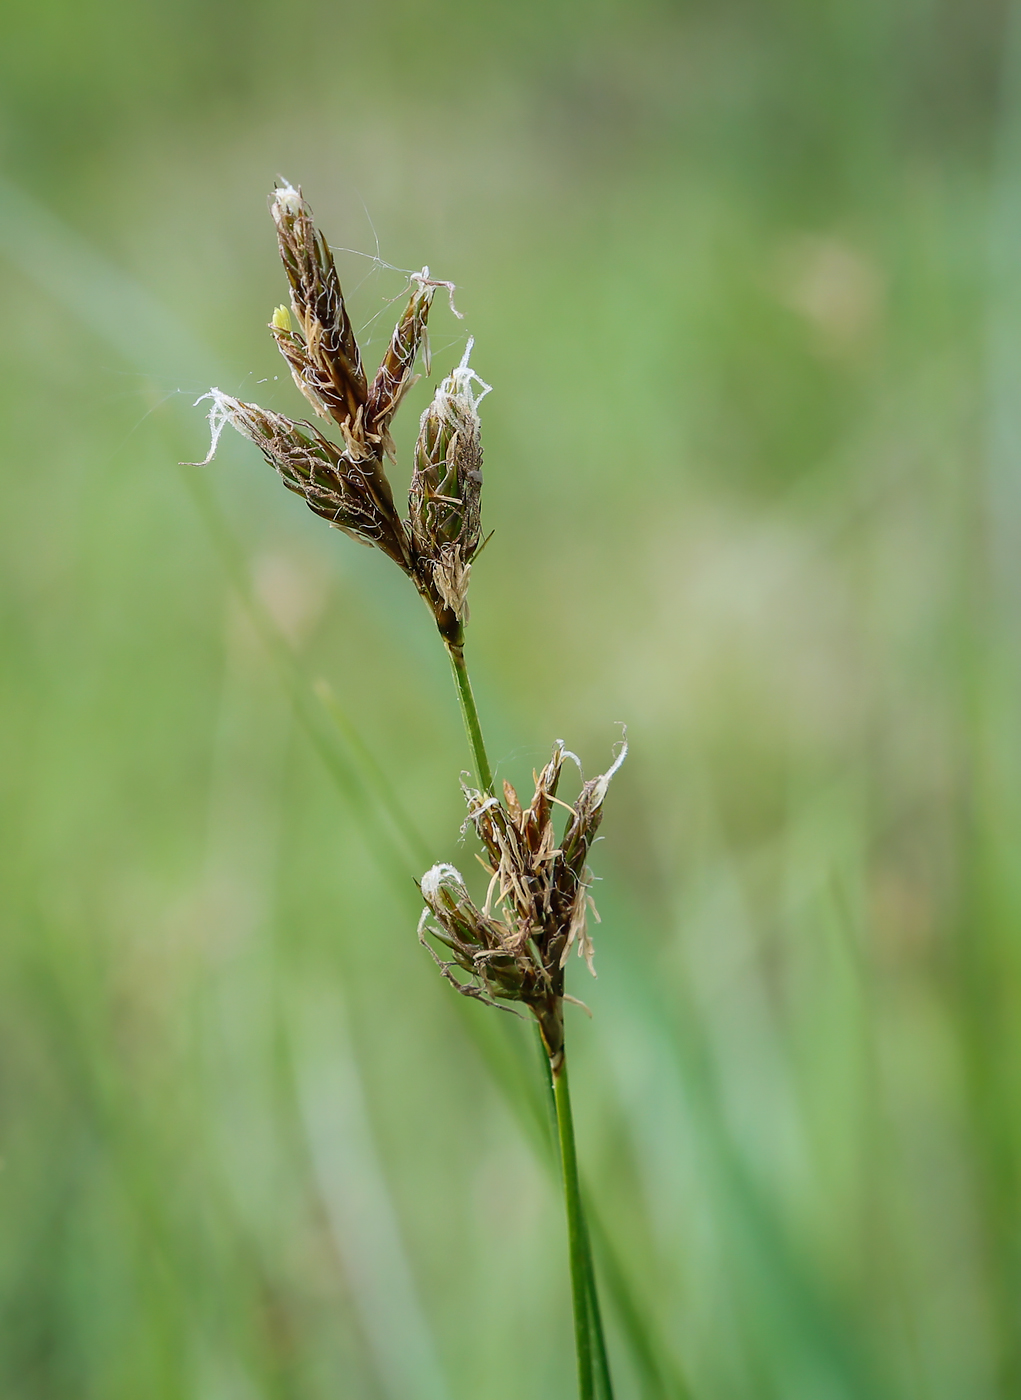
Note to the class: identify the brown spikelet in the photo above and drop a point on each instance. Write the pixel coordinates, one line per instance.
(323, 353)
(539, 885)
(334, 485)
(395, 375)
(446, 488)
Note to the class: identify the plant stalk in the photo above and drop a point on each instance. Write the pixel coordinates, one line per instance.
(604, 1385)
(588, 1326)
(470, 715)
(581, 1280)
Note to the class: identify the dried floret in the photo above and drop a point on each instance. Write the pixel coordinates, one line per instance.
(516, 946)
(445, 501)
(322, 352)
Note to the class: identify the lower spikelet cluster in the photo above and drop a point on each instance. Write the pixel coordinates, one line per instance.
(516, 946)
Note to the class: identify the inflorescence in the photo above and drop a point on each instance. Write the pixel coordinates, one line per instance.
(346, 482)
(513, 949)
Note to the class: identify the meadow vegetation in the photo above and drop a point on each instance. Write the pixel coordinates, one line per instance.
(745, 281)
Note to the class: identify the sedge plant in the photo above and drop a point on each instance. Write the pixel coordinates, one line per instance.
(511, 951)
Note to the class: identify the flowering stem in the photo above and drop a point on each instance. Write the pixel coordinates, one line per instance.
(588, 1325)
(604, 1385)
(582, 1283)
(470, 715)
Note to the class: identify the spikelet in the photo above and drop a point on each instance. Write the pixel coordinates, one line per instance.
(395, 375)
(445, 500)
(334, 486)
(322, 353)
(515, 947)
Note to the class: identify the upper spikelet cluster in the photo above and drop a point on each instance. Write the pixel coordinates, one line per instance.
(515, 947)
(346, 483)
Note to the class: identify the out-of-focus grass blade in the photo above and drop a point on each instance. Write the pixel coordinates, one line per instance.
(794, 1291)
(378, 780)
(658, 1377)
(362, 1217)
(986, 962)
(402, 849)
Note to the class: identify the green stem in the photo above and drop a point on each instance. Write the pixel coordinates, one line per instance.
(604, 1385)
(470, 715)
(581, 1282)
(588, 1325)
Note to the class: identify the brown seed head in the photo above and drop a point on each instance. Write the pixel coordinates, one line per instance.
(322, 353)
(395, 375)
(479, 942)
(539, 885)
(445, 499)
(348, 485)
(340, 489)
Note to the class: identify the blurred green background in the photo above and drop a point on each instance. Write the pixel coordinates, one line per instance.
(746, 280)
